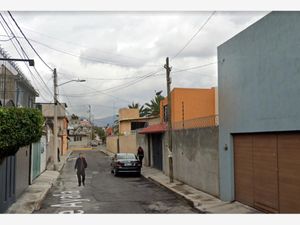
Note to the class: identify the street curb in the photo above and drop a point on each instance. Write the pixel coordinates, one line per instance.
(35, 205)
(38, 204)
(65, 160)
(24, 206)
(178, 194)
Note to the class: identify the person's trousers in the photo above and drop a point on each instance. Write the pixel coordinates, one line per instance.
(81, 177)
(141, 160)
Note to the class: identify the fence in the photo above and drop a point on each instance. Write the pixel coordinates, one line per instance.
(209, 121)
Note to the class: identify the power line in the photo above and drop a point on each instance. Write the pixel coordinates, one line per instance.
(109, 79)
(194, 67)
(16, 46)
(29, 41)
(121, 86)
(26, 56)
(76, 44)
(23, 51)
(7, 39)
(92, 59)
(189, 41)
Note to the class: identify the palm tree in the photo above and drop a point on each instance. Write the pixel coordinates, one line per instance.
(142, 111)
(116, 125)
(134, 105)
(153, 108)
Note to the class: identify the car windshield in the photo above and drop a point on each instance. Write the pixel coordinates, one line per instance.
(126, 156)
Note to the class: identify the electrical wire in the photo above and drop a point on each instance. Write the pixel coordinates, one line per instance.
(23, 51)
(26, 56)
(109, 79)
(191, 39)
(18, 51)
(29, 41)
(85, 94)
(7, 39)
(76, 44)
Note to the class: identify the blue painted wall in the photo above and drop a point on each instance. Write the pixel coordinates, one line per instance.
(259, 85)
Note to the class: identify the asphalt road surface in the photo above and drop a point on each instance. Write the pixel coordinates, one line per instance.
(104, 193)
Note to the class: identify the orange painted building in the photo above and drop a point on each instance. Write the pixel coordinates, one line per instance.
(191, 107)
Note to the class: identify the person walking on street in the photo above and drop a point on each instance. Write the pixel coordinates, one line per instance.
(140, 154)
(80, 165)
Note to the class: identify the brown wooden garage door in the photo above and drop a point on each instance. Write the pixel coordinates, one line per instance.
(267, 171)
(289, 172)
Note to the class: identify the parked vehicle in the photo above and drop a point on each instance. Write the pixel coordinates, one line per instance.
(94, 143)
(125, 163)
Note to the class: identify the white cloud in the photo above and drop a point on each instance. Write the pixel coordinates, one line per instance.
(135, 43)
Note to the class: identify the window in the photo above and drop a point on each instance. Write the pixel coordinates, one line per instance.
(137, 125)
(77, 138)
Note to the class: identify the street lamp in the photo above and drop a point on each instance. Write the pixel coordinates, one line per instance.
(78, 80)
(30, 61)
(55, 152)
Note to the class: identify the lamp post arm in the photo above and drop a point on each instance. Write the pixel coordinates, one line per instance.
(65, 82)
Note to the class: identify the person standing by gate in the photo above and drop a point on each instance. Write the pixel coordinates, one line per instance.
(140, 154)
(80, 165)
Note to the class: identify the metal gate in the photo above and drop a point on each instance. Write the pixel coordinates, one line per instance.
(157, 151)
(7, 182)
(35, 160)
(43, 154)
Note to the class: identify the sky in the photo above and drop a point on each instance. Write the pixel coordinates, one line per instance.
(121, 55)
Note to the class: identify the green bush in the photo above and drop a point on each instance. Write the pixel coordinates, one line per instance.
(19, 127)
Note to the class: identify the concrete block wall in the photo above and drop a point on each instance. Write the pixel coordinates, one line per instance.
(128, 143)
(111, 143)
(195, 158)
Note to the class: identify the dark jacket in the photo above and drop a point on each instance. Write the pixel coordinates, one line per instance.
(140, 153)
(80, 164)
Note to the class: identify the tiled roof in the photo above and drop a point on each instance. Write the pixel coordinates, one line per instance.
(155, 128)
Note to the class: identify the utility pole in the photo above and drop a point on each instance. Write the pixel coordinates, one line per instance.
(4, 94)
(90, 122)
(170, 156)
(55, 121)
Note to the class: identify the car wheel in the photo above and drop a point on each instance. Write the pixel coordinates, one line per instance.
(138, 174)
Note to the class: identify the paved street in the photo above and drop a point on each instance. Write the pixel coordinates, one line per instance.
(105, 193)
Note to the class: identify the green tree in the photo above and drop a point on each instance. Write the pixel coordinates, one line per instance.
(141, 108)
(153, 108)
(134, 105)
(100, 131)
(116, 125)
(19, 127)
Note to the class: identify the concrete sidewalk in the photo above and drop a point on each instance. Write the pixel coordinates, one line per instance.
(35, 193)
(201, 201)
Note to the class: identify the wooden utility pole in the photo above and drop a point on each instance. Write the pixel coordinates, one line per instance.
(4, 93)
(55, 126)
(170, 156)
(90, 120)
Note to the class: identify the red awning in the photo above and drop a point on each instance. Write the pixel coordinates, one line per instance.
(156, 128)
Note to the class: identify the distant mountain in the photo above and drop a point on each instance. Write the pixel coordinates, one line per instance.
(104, 121)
